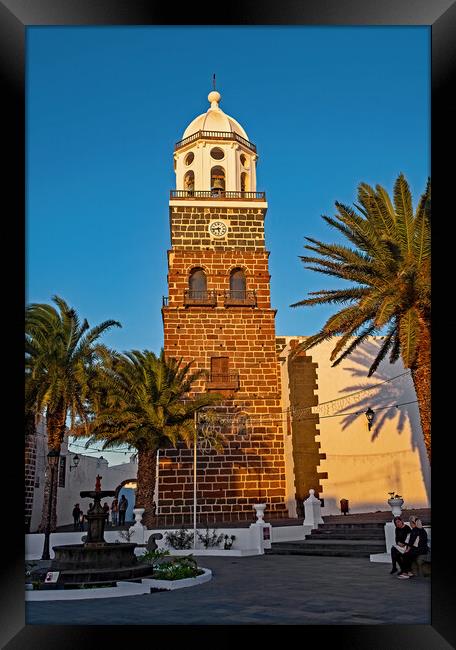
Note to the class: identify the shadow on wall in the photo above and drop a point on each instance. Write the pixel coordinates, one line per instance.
(387, 394)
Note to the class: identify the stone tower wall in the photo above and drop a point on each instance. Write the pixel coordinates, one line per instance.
(251, 468)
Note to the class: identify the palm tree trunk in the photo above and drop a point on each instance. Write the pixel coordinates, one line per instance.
(147, 463)
(30, 466)
(421, 375)
(54, 428)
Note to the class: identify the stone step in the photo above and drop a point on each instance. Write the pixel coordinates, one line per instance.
(346, 535)
(335, 547)
(323, 552)
(352, 526)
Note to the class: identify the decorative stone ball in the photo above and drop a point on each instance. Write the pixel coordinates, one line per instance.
(214, 96)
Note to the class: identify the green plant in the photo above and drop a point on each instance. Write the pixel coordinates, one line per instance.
(210, 540)
(179, 539)
(125, 535)
(394, 496)
(229, 541)
(388, 264)
(177, 569)
(151, 557)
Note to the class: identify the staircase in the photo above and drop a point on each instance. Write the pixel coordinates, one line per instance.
(337, 540)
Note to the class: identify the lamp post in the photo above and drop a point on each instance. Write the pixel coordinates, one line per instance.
(52, 456)
(194, 479)
(370, 417)
(75, 462)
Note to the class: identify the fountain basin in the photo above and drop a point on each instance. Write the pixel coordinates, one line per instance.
(96, 555)
(97, 563)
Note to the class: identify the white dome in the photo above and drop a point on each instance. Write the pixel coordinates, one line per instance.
(214, 120)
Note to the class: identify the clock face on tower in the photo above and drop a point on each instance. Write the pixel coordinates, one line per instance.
(218, 229)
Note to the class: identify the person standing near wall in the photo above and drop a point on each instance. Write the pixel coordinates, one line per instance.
(123, 505)
(76, 515)
(115, 512)
(106, 512)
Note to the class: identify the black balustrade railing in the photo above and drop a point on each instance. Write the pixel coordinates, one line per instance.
(231, 298)
(214, 135)
(192, 297)
(217, 194)
(240, 297)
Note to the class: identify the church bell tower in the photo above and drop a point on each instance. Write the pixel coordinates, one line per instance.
(218, 314)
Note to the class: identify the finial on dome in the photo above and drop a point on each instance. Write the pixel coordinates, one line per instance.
(214, 97)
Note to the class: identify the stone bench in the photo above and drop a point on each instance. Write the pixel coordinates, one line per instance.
(421, 566)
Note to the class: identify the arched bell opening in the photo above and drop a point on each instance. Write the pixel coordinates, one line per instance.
(245, 182)
(217, 180)
(189, 181)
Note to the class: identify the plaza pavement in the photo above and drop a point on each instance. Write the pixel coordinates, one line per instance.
(266, 589)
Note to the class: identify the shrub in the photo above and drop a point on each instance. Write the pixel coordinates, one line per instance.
(152, 557)
(178, 569)
(210, 540)
(179, 539)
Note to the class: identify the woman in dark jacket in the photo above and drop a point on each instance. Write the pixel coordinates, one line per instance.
(398, 549)
(416, 544)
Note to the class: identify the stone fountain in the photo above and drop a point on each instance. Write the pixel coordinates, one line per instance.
(97, 561)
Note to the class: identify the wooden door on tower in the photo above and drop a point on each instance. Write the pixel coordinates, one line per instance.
(219, 368)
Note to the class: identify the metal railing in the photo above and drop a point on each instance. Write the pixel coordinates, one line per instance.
(217, 194)
(192, 297)
(238, 297)
(214, 135)
(231, 298)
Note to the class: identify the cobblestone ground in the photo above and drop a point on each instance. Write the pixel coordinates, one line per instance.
(265, 589)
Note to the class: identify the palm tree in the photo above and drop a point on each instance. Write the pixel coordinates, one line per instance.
(142, 401)
(60, 353)
(389, 263)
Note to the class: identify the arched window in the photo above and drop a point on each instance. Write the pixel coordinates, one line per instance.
(197, 284)
(189, 181)
(237, 284)
(217, 180)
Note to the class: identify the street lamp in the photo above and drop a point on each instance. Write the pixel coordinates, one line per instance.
(75, 462)
(52, 456)
(370, 415)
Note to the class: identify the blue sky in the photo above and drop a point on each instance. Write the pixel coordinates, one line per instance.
(327, 107)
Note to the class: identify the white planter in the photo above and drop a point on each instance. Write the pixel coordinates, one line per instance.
(396, 506)
(259, 509)
(138, 512)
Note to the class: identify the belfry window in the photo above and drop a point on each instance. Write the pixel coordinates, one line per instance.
(189, 181)
(237, 284)
(244, 182)
(217, 180)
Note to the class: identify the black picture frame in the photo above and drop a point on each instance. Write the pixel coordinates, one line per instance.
(15, 16)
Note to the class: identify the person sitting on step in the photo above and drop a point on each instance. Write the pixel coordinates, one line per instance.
(416, 544)
(397, 550)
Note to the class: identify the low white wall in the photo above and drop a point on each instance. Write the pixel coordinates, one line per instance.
(290, 533)
(247, 539)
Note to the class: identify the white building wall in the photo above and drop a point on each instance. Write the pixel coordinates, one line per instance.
(76, 480)
(362, 465)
